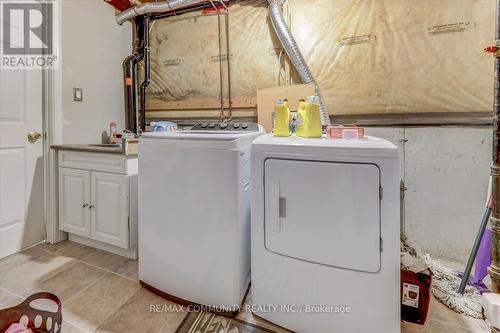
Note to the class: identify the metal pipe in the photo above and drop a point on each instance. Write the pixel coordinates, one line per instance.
(147, 74)
(292, 49)
(221, 72)
(494, 269)
(129, 77)
(201, 6)
(228, 52)
(155, 7)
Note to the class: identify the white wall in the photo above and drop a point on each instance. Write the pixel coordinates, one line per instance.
(446, 171)
(93, 47)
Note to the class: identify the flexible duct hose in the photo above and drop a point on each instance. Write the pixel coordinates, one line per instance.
(286, 38)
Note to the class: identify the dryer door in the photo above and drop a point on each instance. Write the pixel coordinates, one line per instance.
(324, 212)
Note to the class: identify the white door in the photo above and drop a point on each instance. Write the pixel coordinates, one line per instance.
(74, 201)
(109, 213)
(324, 212)
(21, 162)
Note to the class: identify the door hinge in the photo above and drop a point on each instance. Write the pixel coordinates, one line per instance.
(381, 244)
(380, 192)
(128, 224)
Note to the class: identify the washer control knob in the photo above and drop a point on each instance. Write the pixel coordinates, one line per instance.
(223, 125)
(204, 125)
(244, 126)
(236, 126)
(212, 125)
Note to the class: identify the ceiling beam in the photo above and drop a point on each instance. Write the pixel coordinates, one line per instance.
(119, 5)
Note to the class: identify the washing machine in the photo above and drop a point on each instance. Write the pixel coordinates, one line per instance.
(325, 234)
(194, 213)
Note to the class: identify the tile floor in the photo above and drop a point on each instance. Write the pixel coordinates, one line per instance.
(100, 293)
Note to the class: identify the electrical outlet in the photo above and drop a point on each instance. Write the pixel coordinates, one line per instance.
(78, 94)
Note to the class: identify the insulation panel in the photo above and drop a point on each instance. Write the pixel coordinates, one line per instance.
(370, 57)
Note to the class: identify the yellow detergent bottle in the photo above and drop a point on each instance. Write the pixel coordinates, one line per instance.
(301, 115)
(281, 123)
(310, 122)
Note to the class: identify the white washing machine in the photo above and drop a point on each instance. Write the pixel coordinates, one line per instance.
(194, 213)
(325, 234)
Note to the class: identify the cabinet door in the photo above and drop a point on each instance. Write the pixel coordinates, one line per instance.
(74, 200)
(324, 212)
(109, 209)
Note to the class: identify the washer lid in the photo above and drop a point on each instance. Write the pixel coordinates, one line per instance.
(198, 135)
(199, 139)
(369, 146)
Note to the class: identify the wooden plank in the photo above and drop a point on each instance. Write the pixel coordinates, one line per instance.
(167, 114)
(198, 104)
(266, 100)
(473, 118)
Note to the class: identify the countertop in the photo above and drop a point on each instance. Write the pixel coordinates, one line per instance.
(88, 148)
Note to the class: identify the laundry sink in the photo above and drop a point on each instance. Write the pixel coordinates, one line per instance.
(111, 145)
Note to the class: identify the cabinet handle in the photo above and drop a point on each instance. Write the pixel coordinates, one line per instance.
(85, 205)
(91, 206)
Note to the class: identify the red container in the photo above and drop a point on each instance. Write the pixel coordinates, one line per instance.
(415, 296)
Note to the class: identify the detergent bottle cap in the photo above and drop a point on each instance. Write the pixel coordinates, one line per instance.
(313, 99)
(281, 101)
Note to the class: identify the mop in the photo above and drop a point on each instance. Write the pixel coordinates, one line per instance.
(480, 253)
(445, 284)
(457, 290)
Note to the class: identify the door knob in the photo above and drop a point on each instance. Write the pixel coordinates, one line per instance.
(33, 136)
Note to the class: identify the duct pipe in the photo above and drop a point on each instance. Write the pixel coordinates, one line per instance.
(147, 73)
(155, 7)
(292, 49)
(494, 269)
(129, 77)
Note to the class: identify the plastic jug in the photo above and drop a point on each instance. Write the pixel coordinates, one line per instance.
(281, 122)
(301, 115)
(309, 119)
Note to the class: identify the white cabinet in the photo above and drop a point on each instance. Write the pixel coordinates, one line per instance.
(99, 208)
(109, 219)
(74, 199)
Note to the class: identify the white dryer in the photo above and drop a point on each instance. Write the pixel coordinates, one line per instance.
(325, 234)
(194, 213)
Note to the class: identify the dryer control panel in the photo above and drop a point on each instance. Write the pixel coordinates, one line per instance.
(229, 127)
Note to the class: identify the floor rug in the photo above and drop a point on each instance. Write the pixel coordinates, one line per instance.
(204, 322)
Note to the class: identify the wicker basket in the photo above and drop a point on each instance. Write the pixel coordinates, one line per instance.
(46, 321)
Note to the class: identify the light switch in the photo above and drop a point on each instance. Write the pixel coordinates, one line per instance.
(78, 94)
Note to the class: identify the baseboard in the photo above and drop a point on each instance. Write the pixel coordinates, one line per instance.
(129, 253)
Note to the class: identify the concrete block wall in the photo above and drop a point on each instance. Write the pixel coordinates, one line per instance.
(445, 170)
